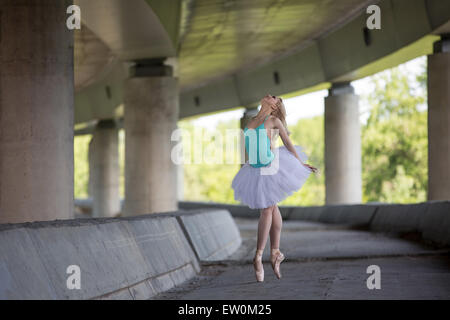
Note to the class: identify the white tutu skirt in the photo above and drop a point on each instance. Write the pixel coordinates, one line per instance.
(263, 187)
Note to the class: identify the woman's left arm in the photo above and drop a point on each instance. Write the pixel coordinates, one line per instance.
(285, 138)
(288, 143)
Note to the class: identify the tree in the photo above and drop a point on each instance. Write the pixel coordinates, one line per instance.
(394, 139)
(309, 133)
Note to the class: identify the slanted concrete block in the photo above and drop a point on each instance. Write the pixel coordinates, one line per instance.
(162, 243)
(22, 273)
(213, 234)
(356, 214)
(399, 217)
(107, 254)
(435, 224)
(118, 258)
(306, 213)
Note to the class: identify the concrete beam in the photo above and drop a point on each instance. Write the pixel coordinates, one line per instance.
(102, 99)
(132, 30)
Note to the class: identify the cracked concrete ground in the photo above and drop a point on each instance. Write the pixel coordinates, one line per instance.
(325, 262)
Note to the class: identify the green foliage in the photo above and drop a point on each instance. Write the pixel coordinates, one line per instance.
(81, 165)
(209, 182)
(394, 140)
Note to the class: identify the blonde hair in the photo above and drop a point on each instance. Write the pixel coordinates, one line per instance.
(280, 113)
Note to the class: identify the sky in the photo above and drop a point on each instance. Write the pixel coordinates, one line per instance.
(308, 105)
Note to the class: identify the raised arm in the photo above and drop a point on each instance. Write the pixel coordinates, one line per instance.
(285, 138)
(288, 143)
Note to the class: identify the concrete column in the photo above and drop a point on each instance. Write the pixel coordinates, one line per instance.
(180, 182)
(248, 114)
(342, 146)
(439, 121)
(150, 117)
(36, 111)
(104, 170)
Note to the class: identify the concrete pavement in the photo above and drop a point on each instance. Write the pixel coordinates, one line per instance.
(325, 262)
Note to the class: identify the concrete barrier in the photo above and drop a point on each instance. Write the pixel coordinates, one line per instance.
(341, 214)
(212, 233)
(306, 213)
(241, 211)
(430, 219)
(356, 214)
(399, 217)
(435, 224)
(235, 210)
(22, 271)
(118, 258)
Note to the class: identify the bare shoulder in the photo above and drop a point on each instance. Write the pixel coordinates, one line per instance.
(276, 122)
(251, 123)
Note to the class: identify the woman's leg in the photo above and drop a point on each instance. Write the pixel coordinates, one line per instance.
(265, 221)
(276, 257)
(275, 229)
(264, 225)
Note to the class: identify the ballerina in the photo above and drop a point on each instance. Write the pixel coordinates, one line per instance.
(269, 176)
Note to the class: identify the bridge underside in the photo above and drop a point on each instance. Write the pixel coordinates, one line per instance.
(227, 54)
(144, 65)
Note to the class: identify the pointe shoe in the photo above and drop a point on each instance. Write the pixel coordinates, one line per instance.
(259, 269)
(276, 260)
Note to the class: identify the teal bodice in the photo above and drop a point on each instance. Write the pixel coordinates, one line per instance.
(257, 145)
